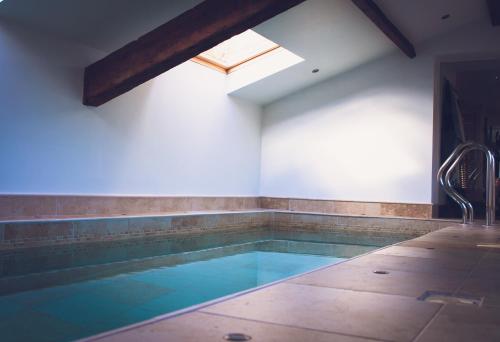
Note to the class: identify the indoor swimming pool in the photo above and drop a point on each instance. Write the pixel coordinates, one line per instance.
(85, 299)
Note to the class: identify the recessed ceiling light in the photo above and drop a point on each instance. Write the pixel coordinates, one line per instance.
(315, 71)
(445, 16)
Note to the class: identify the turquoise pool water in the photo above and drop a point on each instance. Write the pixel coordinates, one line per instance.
(80, 309)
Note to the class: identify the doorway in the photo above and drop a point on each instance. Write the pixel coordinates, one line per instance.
(469, 107)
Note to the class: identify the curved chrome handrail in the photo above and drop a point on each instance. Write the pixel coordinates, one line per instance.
(454, 159)
(450, 191)
(468, 214)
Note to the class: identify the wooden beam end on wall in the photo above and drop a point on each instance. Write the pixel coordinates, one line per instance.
(375, 14)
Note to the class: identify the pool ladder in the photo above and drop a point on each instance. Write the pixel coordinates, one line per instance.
(444, 178)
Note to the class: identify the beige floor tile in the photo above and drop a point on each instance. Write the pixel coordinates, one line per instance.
(461, 238)
(449, 243)
(197, 327)
(412, 264)
(469, 230)
(440, 244)
(459, 323)
(395, 282)
(364, 314)
(467, 256)
(489, 266)
(487, 287)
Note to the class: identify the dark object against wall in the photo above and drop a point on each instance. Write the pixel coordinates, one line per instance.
(452, 130)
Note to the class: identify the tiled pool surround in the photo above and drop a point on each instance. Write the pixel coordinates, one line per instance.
(15, 207)
(351, 302)
(29, 233)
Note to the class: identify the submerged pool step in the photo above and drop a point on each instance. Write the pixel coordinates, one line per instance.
(62, 276)
(310, 247)
(51, 278)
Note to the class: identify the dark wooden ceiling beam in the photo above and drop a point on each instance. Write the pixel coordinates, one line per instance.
(375, 14)
(194, 31)
(494, 9)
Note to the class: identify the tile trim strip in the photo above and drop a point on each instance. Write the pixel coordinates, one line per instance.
(19, 207)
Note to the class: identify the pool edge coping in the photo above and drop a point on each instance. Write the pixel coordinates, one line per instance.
(214, 212)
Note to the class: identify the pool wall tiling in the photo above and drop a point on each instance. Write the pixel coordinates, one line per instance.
(30, 233)
(32, 268)
(103, 247)
(59, 231)
(23, 272)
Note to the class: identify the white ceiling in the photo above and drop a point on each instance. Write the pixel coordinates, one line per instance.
(102, 24)
(335, 36)
(332, 35)
(421, 20)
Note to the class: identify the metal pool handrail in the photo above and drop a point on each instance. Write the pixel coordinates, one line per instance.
(444, 178)
(450, 191)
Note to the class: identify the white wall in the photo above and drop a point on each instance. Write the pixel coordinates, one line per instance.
(179, 134)
(366, 135)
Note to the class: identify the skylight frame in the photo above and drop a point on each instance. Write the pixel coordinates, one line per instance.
(227, 69)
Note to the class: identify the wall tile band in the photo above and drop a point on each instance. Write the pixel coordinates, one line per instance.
(14, 207)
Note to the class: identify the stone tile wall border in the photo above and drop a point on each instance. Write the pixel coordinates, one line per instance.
(32, 233)
(423, 211)
(49, 206)
(18, 207)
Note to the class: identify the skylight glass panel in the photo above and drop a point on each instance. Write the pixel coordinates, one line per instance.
(238, 49)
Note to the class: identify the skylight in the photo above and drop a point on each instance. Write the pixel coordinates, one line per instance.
(235, 51)
(247, 58)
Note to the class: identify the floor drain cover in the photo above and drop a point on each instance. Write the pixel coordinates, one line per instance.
(237, 337)
(450, 298)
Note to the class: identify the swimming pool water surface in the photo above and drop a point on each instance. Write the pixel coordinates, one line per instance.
(77, 310)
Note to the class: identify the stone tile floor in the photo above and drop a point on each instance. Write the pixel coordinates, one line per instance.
(349, 302)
